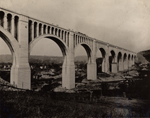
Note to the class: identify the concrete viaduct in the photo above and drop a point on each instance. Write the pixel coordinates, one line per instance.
(21, 33)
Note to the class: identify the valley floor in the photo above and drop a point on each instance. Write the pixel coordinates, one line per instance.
(42, 105)
(112, 99)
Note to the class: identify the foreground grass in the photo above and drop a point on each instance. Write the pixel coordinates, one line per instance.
(41, 105)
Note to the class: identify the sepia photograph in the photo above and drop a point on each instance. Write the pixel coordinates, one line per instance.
(74, 58)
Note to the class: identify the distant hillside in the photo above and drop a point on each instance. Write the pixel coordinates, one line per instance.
(42, 59)
(144, 56)
(81, 59)
(45, 59)
(5, 58)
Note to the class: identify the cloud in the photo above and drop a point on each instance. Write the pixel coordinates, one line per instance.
(120, 22)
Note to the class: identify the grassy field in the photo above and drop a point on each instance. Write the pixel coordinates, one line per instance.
(43, 105)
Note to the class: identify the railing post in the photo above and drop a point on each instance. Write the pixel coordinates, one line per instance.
(37, 30)
(5, 22)
(32, 31)
(12, 25)
(107, 65)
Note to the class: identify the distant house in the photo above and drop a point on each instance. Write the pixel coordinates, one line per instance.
(41, 67)
(4, 67)
(45, 67)
(52, 70)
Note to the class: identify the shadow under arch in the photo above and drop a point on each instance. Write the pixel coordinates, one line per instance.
(57, 40)
(13, 46)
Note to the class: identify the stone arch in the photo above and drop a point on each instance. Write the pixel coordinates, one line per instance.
(111, 59)
(13, 46)
(64, 49)
(129, 60)
(119, 62)
(87, 49)
(56, 39)
(125, 62)
(10, 40)
(101, 62)
(113, 54)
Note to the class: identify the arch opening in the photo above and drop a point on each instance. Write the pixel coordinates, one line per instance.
(119, 62)
(65, 36)
(62, 35)
(125, 62)
(111, 59)
(40, 29)
(132, 57)
(100, 60)
(30, 31)
(132, 60)
(53, 53)
(16, 22)
(35, 29)
(9, 18)
(48, 29)
(82, 59)
(59, 33)
(44, 29)
(8, 57)
(129, 60)
(56, 31)
(2, 18)
(125, 57)
(52, 31)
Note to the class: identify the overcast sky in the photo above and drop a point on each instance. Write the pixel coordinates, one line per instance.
(124, 23)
